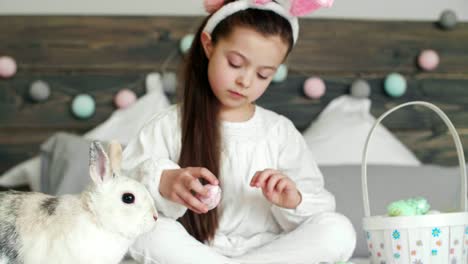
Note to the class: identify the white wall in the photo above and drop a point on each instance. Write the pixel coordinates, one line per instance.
(362, 9)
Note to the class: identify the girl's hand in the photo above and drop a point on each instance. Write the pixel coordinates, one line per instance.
(278, 188)
(181, 185)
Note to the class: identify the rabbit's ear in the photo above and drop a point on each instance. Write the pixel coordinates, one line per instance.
(115, 153)
(99, 164)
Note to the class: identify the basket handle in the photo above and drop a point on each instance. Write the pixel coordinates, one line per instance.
(456, 138)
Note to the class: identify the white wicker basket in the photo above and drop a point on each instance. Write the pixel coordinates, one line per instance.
(424, 239)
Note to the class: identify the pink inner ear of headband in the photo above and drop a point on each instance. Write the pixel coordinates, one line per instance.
(304, 7)
(297, 8)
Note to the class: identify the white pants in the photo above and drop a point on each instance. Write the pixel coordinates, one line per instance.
(329, 237)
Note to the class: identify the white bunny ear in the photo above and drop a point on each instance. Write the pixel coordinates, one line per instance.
(99, 164)
(286, 4)
(115, 153)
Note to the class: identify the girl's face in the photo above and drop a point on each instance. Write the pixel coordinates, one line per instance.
(242, 65)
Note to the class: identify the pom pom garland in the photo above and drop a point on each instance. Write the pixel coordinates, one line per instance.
(360, 89)
(448, 19)
(124, 98)
(314, 87)
(186, 43)
(395, 85)
(39, 91)
(83, 106)
(281, 73)
(7, 67)
(428, 60)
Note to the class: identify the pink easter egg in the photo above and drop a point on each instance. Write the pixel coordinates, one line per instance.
(7, 67)
(314, 87)
(213, 197)
(124, 98)
(428, 60)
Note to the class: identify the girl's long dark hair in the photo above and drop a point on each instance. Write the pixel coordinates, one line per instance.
(201, 135)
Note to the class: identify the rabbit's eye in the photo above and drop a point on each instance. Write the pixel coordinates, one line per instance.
(128, 198)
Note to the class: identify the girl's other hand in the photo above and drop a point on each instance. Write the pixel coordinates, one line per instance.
(277, 188)
(181, 185)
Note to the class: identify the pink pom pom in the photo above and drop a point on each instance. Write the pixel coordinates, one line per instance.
(7, 67)
(124, 98)
(212, 6)
(304, 7)
(314, 87)
(213, 197)
(428, 60)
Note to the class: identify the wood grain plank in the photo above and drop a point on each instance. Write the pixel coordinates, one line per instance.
(434, 148)
(100, 55)
(17, 111)
(352, 47)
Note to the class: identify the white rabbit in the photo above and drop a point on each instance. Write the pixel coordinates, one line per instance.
(97, 226)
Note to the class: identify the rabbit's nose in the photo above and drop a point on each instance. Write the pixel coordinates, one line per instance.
(155, 218)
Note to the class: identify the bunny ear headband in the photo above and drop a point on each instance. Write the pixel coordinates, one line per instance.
(289, 9)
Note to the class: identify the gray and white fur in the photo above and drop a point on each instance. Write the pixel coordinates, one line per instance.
(96, 226)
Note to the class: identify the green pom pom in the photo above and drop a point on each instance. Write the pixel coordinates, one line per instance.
(83, 106)
(281, 73)
(395, 85)
(186, 43)
(401, 208)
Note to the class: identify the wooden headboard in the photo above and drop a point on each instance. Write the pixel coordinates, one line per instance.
(101, 55)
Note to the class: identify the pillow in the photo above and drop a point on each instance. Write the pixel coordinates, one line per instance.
(338, 136)
(386, 183)
(122, 126)
(24, 173)
(64, 164)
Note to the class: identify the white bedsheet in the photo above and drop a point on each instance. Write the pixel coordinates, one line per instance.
(354, 261)
(360, 261)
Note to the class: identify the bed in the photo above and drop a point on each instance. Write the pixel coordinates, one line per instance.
(101, 55)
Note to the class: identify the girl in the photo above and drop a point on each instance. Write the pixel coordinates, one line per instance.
(274, 207)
